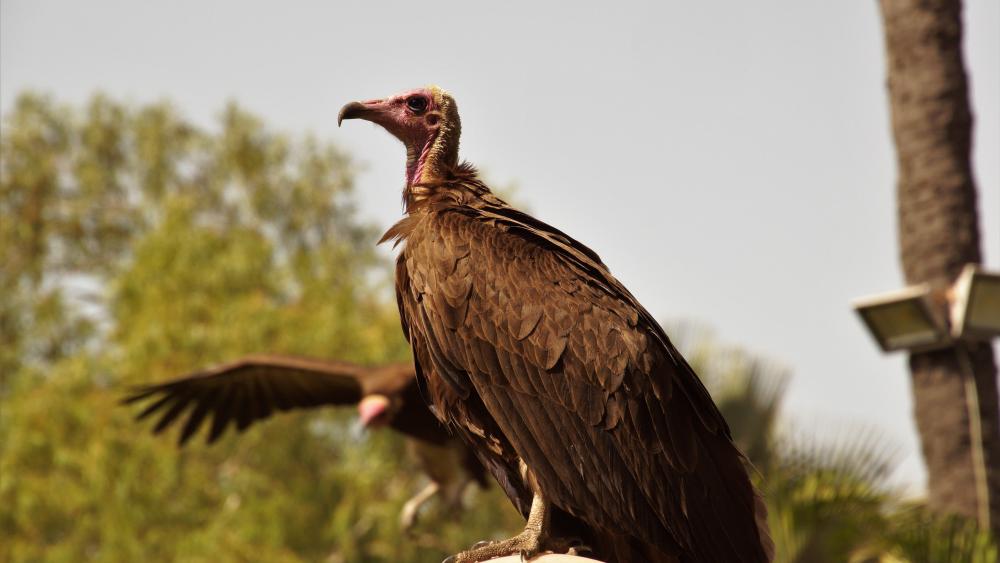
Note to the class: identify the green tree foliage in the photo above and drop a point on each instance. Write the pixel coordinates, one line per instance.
(138, 246)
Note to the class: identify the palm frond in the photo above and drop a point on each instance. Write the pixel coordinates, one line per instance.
(916, 535)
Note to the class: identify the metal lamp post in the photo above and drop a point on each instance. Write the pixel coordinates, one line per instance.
(917, 319)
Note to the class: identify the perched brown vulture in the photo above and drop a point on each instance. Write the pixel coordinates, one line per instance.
(255, 387)
(569, 391)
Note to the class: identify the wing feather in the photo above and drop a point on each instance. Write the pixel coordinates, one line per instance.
(201, 410)
(254, 388)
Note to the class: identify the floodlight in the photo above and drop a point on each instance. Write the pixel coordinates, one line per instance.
(904, 320)
(975, 312)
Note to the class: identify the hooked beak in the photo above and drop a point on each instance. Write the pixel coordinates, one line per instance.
(359, 110)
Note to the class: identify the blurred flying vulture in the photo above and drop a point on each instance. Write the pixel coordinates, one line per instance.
(567, 389)
(255, 387)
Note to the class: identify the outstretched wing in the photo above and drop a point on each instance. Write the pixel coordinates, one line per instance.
(252, 389)
(584, 384)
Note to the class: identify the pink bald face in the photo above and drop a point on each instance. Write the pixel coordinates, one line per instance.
(373, 411)
(412, 116)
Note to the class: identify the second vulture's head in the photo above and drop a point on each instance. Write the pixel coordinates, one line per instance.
(425, 120)
(376, 410)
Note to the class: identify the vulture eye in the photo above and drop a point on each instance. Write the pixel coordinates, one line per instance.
(417, 104)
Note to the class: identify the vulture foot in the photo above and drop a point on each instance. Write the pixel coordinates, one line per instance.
(408, 516)
(533, 541)
(527, 544)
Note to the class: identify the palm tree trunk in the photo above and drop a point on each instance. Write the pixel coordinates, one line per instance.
(955, 389)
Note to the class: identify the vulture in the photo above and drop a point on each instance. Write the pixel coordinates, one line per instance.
(566, 388)
(255, 387)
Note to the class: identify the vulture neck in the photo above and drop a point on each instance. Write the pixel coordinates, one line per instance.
(431, 166)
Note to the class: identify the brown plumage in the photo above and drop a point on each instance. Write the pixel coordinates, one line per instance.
(567, 388)
(255, 387)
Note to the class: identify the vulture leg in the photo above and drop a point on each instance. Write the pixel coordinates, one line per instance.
(408, 516)
(529, 543)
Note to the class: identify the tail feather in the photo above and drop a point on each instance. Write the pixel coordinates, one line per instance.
(760, 516)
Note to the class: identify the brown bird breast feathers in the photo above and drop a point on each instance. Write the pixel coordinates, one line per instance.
(528, 344)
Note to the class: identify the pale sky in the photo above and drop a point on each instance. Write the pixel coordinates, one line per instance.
(730, 161)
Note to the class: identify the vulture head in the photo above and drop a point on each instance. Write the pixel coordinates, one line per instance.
(376, 410)
(425, 120)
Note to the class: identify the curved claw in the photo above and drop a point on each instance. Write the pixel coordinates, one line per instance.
(450, 559)
(479, 544)
(579, 549)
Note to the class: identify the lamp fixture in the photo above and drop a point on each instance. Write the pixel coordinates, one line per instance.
(909, 319)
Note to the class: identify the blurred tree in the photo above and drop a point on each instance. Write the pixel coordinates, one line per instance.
(954, 389)
(137, 246)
